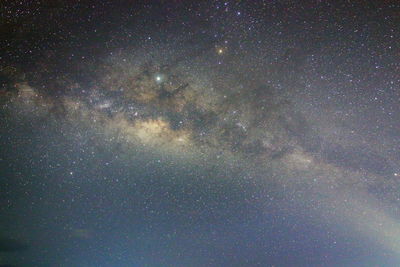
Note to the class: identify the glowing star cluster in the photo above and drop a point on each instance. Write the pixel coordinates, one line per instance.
(156, 133)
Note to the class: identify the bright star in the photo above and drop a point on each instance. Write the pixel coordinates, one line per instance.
(160, 78)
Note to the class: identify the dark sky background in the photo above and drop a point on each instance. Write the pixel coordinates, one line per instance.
(199, 133)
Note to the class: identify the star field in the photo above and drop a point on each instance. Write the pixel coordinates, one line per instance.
(200, 133)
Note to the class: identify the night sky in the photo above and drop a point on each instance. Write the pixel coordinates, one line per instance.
(199, 133)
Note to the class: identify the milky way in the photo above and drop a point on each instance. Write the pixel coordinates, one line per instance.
(235, 92)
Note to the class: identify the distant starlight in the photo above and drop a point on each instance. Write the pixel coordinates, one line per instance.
(160, 78)
(220, 50)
